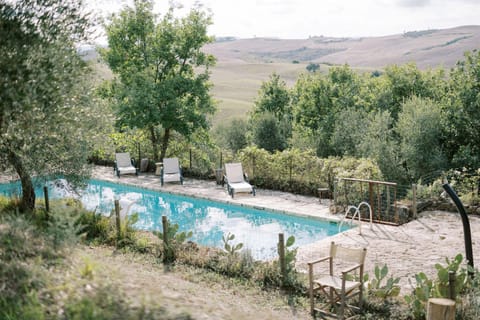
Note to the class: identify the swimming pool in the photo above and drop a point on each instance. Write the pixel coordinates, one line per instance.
(208, 220)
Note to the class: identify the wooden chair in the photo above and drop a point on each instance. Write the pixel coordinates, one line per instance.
(337, 289)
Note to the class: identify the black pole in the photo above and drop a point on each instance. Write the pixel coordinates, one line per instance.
(466, 226)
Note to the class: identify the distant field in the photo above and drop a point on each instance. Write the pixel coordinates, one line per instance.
(236, 85)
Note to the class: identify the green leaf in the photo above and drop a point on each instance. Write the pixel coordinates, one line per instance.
(384, 271)
(395, 292)
(443, 275)
(290, 241)
(377, 272)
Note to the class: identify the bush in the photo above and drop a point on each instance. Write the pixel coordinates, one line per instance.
(302, 171)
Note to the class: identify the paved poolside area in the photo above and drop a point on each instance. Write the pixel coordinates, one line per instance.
(408, 249)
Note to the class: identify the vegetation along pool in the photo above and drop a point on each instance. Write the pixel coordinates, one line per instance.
(208, 220)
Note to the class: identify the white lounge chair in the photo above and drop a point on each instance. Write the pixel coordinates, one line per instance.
(237, 180)
(171, 171)
(124, 164)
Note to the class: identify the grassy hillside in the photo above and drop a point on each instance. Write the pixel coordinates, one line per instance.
(236, 84)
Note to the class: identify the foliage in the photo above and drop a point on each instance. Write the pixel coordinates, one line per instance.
(312, 67)
(231, 249)
(382, 290)
(233, 135)
(461, 108)
(268, 133)
(94, 227)
(466, 184)
(291, 280)
(174, 241)
(28, 248)
(49, 120)
(162, 73)
(437, 288)
(420, 137)
(273, 97)
(301, 171)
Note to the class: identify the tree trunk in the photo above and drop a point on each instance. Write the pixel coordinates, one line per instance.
(153, 138)
(166, 138)
(28, 192)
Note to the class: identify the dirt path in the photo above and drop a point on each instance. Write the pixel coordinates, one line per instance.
(182, 290)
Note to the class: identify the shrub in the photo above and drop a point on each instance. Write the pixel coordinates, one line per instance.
(302, 171)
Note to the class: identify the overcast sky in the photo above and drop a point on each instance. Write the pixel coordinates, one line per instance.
(299, 19)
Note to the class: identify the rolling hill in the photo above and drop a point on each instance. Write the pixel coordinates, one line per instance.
(428, 48)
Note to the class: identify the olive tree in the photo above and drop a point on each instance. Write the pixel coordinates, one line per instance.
(420, 134)
(462, 109)
(46, 115)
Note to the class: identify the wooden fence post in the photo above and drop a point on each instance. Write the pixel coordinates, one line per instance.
(190, 151)
(414, 200)
(281, 254)
(47, 203)
(117, 219)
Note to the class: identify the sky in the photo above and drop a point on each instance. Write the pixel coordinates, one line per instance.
(300, 19)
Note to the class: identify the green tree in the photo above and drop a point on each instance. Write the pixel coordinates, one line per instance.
(163, 75)
(420, 137)
(312, 106)
(233, 135)
(349, 131)
(267, 133)
(462, 109)
(272, 109)
(312, 67)
(273, 97)
(403, 82)
(379, 144)
(46, 110)
(317, 100)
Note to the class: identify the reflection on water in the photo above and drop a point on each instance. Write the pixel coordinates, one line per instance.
(257, 229)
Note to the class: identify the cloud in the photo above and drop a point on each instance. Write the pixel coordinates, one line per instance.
(413, 3)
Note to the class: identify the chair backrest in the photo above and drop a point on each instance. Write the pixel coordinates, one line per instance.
(123, 159)
(171, 165)
(234, 172)
(353, 255)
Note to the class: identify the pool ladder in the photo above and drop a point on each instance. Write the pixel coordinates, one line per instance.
(355, 214)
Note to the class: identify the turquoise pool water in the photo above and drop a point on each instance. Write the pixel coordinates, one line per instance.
(257, 229)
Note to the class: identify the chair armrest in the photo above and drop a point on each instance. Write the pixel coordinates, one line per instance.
(245, 175)
(311, 263)
(350, 269)
(132, 161)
